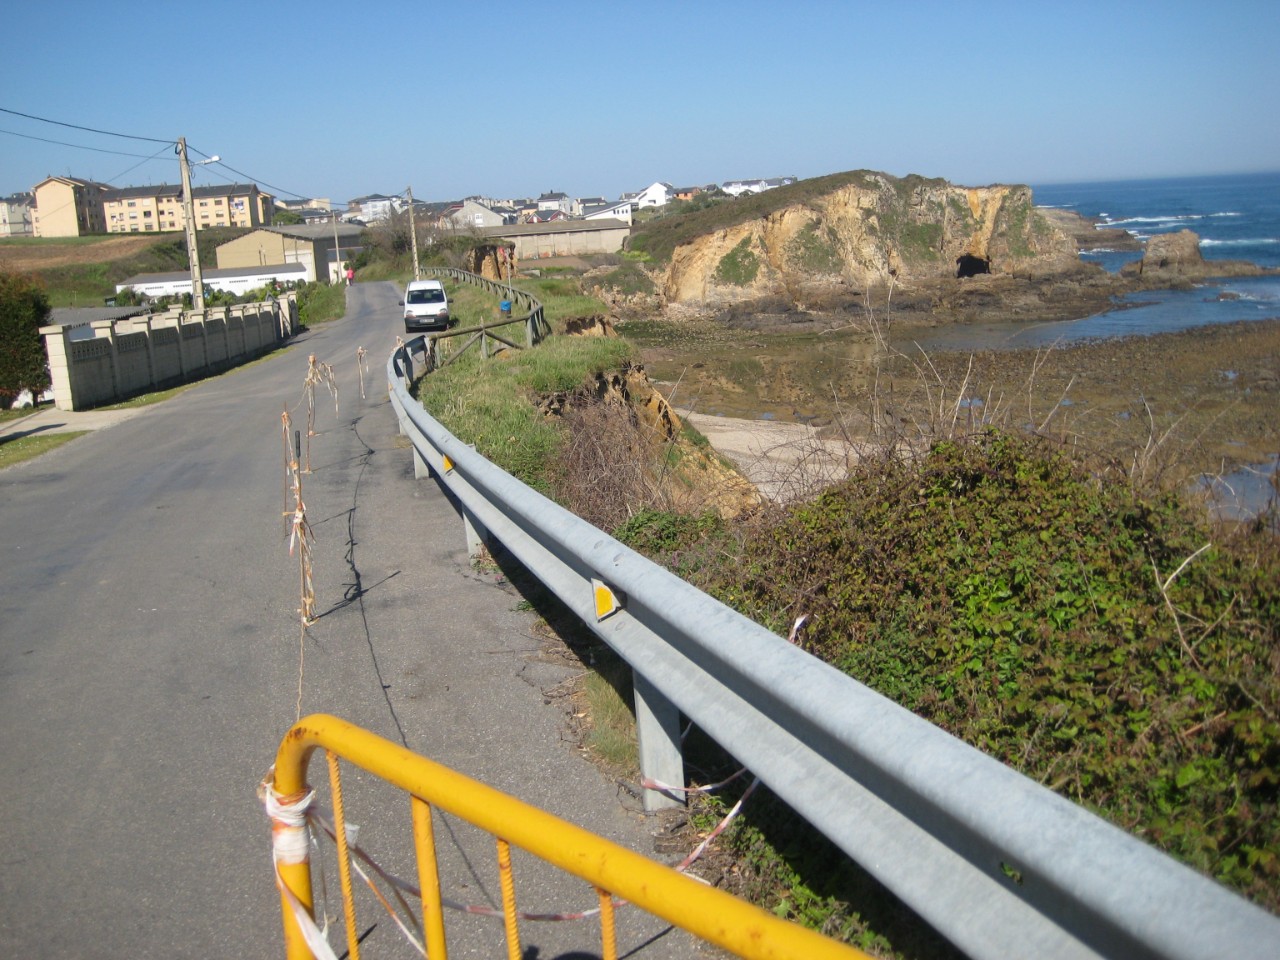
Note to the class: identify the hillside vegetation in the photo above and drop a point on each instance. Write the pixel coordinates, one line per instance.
(1102, 637)
(815, 244)
(659, 237)
(84, 271)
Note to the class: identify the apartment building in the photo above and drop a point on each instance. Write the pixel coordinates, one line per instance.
(15, 215)
(143, 209)
(67, 207)
(72, 207)
(235, 205)
(152, 209)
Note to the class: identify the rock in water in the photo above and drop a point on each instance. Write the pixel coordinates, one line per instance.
(1173, 252)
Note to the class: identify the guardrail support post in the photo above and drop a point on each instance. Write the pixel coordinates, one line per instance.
(658, 733)
(476, 534)
(421, 470)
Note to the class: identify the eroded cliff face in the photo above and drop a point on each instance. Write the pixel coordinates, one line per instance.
(864, 233)
(691, 476)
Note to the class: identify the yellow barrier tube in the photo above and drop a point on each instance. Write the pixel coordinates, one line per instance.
(711, 914)
(429, 880)
(296, 877)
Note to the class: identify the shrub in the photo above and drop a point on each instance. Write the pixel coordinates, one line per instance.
(24, 309)
(739, 266)
(1089, 637)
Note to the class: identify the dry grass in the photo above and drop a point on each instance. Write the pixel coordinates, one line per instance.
(33, 255)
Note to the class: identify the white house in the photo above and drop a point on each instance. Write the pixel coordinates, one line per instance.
(374, 207)
(657, 194)
(623, 210)
(555, 201)
(736, 188)
(475, 214)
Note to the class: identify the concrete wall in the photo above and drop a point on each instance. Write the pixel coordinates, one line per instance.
(569, 243)
(140, 354)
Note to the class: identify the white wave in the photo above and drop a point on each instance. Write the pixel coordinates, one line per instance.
(1238, 243)
(1155, 221)
(1226, 213)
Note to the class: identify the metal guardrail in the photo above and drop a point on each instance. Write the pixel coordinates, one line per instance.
(999, 865)
(537, 328)
(710, 914)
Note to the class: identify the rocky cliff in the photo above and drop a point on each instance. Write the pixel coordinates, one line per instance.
(860, 230)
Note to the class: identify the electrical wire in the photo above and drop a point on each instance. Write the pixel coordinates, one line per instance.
(78, 146)
(71, 203)
(240, 173)
(76, 126)
(127, 136)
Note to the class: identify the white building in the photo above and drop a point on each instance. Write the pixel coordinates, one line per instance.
(15, 215)
(736, 188)
(623, 210)
(374, 207)
(657, 194)
(472, 213)
(555, 201)
(238, 280)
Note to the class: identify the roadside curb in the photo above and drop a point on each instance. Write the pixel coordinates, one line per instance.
(53, 420)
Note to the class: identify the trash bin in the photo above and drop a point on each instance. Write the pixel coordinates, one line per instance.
(505, 307)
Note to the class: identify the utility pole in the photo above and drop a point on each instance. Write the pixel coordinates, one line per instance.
(337, 251)
(413, 235)
(189, 215)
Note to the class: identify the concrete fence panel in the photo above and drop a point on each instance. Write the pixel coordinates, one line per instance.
(112, 360)
(166, 354)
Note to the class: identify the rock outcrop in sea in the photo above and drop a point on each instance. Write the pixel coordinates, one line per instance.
(863, 230)
(1170, 256)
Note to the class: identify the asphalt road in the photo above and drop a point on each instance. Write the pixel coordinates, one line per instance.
(149, 664)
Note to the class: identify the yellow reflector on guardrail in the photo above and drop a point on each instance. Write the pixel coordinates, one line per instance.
(607, 602)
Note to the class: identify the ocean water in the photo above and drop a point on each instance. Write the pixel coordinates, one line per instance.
(1237, 217)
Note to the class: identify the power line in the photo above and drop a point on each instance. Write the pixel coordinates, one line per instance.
(71, 203)
(239, 173)
(144, 160)
(127, 136)
(78, 146)
(76, 126)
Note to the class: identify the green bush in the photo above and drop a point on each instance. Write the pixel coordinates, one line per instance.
(739, 266)
(1068, 627)
(628, 278)
(24, 309)
(815, 249)
(318, 302)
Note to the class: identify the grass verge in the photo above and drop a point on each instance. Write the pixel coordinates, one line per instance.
(19, 449)
(493, 403)
(321, 302)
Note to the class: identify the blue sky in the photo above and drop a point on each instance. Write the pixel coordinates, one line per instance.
(511, 100)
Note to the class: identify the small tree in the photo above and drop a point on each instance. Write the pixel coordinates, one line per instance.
(24, 309)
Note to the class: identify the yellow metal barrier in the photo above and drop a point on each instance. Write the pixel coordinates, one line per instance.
(708, 913)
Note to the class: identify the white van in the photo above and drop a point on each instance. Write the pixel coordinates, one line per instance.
(426, 307)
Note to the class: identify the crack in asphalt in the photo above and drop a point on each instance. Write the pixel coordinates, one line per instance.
(355, 590)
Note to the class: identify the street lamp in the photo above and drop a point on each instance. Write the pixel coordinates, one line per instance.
(189, 214)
